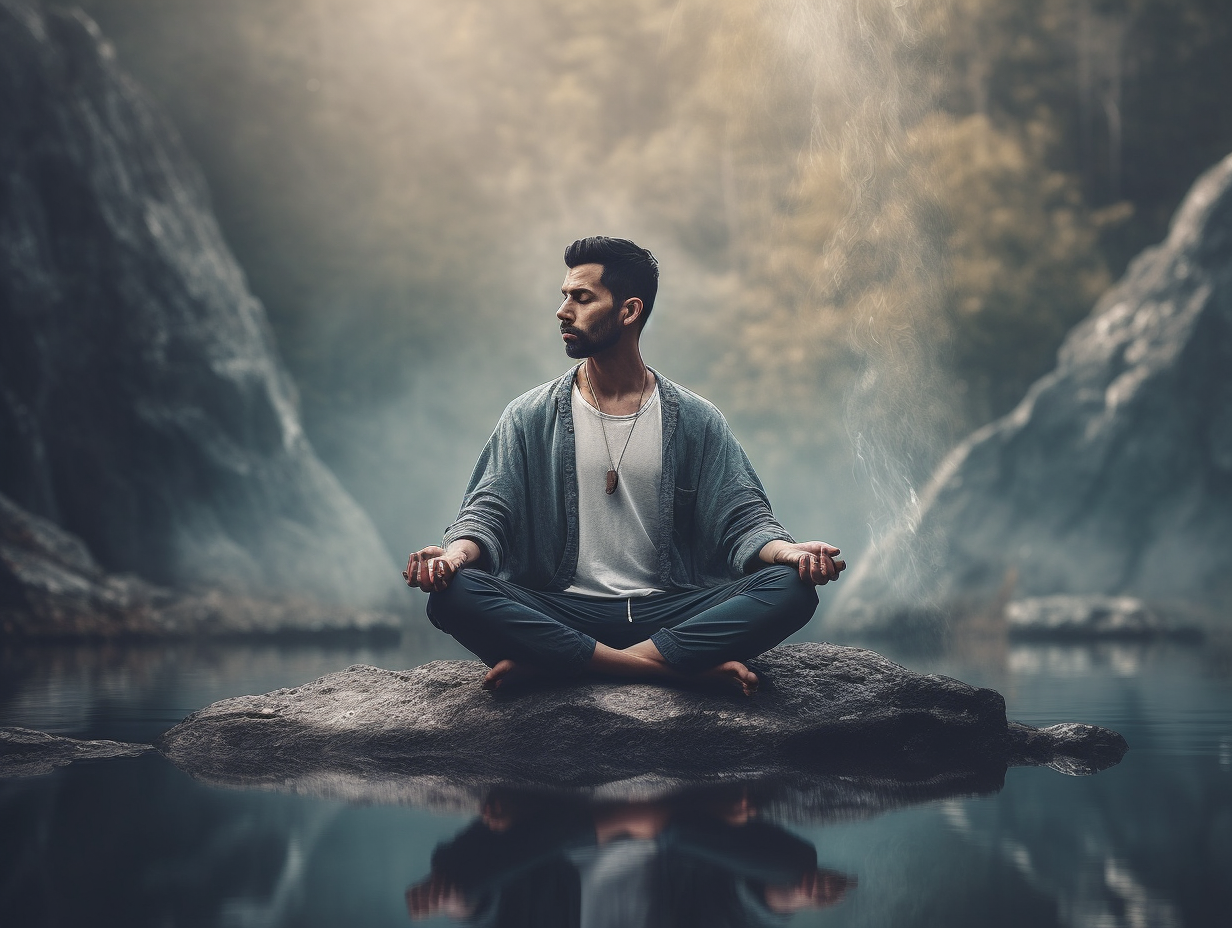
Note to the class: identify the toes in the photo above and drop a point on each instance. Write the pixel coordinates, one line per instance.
(493, 679)
(748, 680)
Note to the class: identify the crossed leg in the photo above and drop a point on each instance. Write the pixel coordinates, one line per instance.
(638, 661)
(698, 635)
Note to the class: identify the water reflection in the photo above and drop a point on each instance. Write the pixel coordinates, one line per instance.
(706, 858)
(136, 843)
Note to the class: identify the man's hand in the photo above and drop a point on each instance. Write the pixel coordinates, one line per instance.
(814, 560)
(432, 568)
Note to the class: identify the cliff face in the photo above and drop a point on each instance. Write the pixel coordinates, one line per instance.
(1114, 474)
(142, 403)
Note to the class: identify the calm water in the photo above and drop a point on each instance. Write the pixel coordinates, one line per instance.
(135, 842)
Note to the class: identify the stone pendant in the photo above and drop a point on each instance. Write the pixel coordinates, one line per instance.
(612, 480)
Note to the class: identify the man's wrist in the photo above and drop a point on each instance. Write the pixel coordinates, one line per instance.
(462, 552)
(775, 552)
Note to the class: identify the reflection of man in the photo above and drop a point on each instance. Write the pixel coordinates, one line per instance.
(617, 525)
(626, 864)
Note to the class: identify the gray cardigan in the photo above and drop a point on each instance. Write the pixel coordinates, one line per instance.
(521, 506)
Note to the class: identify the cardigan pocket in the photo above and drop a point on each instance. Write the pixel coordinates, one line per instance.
(685, 504)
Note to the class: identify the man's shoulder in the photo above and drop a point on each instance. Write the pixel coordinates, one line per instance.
(538, 401)
(693, 406)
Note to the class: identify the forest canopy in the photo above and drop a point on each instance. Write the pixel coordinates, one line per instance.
(877, 218)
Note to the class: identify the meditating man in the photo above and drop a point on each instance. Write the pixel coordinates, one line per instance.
(613, 524)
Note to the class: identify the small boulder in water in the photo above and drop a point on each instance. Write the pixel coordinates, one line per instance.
(1090, 617)
(28, 753)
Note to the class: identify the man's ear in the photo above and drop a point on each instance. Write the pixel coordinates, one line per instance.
(633, 310)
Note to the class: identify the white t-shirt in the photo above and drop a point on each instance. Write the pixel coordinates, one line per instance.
(618, 553)
(617, 882)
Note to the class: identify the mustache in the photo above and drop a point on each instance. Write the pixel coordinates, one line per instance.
(570, 330)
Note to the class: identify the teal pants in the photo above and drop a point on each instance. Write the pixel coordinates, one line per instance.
(694, 630)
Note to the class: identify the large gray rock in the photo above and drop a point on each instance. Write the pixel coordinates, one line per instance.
(51, 589)
(142, 403)
(1113, 476)
(841, 726)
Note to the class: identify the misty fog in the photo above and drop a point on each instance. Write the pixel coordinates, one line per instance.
(872, 237)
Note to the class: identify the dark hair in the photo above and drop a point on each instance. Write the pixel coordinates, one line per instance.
(628, 271)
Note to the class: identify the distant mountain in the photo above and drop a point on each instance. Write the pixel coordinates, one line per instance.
(143, 406)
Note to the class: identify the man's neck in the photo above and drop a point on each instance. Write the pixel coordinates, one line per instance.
(615, 382)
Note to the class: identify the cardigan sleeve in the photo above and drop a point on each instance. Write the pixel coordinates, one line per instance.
(494, 495)
(736, 518)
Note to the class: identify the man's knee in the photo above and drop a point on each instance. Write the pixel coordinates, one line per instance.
(801, 603)
(794, 601)
(459, 600)
(440, 609)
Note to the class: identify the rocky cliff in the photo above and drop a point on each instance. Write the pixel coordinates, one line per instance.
(1114, 473)
(142, 403)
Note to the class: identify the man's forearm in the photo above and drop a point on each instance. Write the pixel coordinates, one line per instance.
(463, 551)
(773, 550)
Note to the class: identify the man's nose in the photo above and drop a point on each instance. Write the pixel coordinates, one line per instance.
(565, 312)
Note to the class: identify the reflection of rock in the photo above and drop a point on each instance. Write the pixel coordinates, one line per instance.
(25, 753)
(142, 403)
(1069, 747)
(1122, 851)
(431, 735)
(806, 797)
(1086, 617)
(1114, 474)
(51, 588)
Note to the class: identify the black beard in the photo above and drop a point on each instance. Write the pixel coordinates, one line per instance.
(587, 344)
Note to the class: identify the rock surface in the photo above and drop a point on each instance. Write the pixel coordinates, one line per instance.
(142, 403)
(26, 753)
(1091, 617)
(51, 589)
(1113, 476)
(827, 722)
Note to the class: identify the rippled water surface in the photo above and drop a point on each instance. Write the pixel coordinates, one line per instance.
(136, 842)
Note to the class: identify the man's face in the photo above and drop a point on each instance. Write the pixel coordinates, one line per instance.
(589, 323)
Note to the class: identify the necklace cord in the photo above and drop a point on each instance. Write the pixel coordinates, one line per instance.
(637, 416)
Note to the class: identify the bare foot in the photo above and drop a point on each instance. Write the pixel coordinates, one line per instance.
(643, 660)
(496, 817)
(815, 890)
(507, 673)
(437, 896)
(733, 673)
(738, 811)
